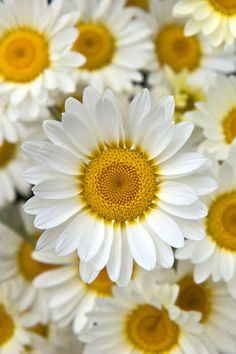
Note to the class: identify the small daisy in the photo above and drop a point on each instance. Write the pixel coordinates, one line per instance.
(35, 53)
(13, 335)
(217, 117)
(116, 46)
(18, 270)
(114, 179)
(211, 299)
(70, 297)
(216, 255)
(143, 320)
(216, 19)
(173, 48)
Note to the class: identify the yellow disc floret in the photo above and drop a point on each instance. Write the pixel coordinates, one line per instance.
(177, 51)
(226, 7)
(150, 330)
(7, 326)
(24, 55)
(118, 184)
(229, 126)
(96, 43)
(7, 153)
(143, 4)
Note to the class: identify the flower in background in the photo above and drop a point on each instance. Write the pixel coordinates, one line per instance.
(114, 179)
(214, 18)
(115, 44)
(215, 255)
(173, 48)
(143, 319)
(217, 117)
(35, 53)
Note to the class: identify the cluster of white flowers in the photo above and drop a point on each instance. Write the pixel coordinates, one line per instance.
(118, 171)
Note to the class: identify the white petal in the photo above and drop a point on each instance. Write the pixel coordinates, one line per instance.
(176, 193)
(182, 163)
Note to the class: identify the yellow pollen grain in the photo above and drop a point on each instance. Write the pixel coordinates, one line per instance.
(177, 51)
(7, 326)
(221, 221)
(24, 55)
(7, 153)
(119, 185)
(143, 4)
(225, 7)
(96, 43)
(194, 297)
(229, 126)
(28, 267)
(150, 330)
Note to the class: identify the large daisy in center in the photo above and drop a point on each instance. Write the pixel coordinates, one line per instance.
(116, 188)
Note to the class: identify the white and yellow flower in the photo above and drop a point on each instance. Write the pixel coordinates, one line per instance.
(216, 255)
(174, 49)
(35, 53)
(105, 184)
(115, 44)
(143, 319)
(13, 335)
(217, 117)
(216, 19)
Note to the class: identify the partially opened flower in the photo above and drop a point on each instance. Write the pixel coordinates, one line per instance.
(115, 188)
(35, 53)
(214, 18)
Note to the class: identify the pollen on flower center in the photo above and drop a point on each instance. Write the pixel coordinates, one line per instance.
(143, 4)
(150, 330)
(24, 55)
(7, 326)
(229, 126)
(227, 7)
(28, 267)
(119, 184)
(175, 50)
(194, 297)
(7, 153)
(221, 221)
(96, 43)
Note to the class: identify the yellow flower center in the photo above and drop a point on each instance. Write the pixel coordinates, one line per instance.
(7, 153)
(28, 267)
(102, 285)
(40, 329)
(150, 330)
(185, 101)
(221, 221)
(96, 43)
(118, 184)
(229, 126)
(143, 4)
(176, 50)
(194, 297)
(226, 7)
(7, 326)
(24, 55)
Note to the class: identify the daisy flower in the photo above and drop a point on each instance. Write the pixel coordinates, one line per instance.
(217, 117)
(115, 44)
(70, 298)
(214, 18)
(215, 255)
(138, 320)
(13, 335)
(35, 52)
(18, 270)
(173, 48)
(114, 178)
(211, 299)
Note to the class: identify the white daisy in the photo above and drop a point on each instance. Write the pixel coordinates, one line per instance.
(211, 299)
(35, 53)
(173, 48)
(216, 19)
(114, 44)
(70, 297)
(217, 117)
(106, 184)
(13, 336)
(143, 320)
(215, 255)
(18, 270)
